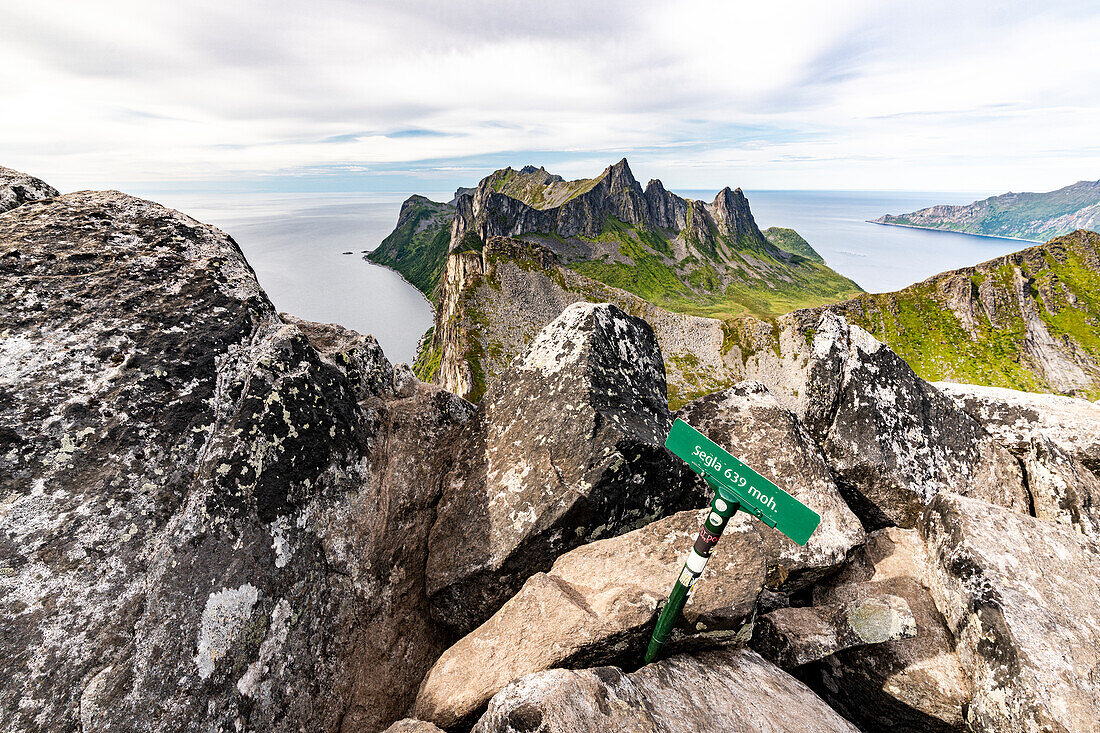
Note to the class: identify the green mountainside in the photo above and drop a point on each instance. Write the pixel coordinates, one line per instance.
(684, 255)
(1029, 320)
(791, 241)
(417, 247)
(776, 282)
(1029, 216)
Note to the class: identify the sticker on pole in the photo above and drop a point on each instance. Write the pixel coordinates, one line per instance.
(736, 482)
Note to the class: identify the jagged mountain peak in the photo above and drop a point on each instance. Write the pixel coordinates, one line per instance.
(620, 177)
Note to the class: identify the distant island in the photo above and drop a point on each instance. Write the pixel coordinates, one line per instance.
(1032, 217)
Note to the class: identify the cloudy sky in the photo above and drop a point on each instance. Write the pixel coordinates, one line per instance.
(421, 95)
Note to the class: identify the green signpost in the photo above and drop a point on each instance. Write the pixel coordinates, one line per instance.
(736, 486)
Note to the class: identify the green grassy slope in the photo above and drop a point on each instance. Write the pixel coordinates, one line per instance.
(791, 241)
(756, 283)
(1062, 286)
(417, 248)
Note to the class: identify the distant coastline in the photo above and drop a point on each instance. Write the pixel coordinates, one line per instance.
(951, 231)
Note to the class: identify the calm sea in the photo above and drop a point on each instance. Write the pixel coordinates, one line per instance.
(296, 244)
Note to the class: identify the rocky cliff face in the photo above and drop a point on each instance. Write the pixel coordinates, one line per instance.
(683, 256)
(417, 248)
(494, 302)
(1029, 320)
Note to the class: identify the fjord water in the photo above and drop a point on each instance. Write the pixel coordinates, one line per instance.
(295, 243)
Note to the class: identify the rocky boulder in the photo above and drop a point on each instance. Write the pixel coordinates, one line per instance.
(566, 449)
(711, 692)
(198, 526)
(359, 357)
(596, 606)
(892, 440)
(751, 424)
(18, 188)
(1019, 594)
(792, 637)
(1016, 419)
(911, 684)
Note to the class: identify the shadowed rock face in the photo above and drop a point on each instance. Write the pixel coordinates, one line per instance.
(711, 692)
(18, 188)
(595, 606)
(568, 448)
(1019, 594)
(792, 637)
(191, 490)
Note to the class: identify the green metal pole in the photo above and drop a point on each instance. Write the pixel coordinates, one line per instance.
(720, 512)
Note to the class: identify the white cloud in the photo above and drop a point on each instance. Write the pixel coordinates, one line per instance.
(938, 95)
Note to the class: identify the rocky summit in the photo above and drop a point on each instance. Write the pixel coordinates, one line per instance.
(218, 517)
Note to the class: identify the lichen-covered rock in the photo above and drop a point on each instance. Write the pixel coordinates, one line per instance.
(908, 685)
(1016, 419)
(566, 449)
(1019, 593)
(359, 357)
(792, 637)
(747, 421)
(729, 691)
(189, 490)
(892, 440)
(18, 188)
(595, 606)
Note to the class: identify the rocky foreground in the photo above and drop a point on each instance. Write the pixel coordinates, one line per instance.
(217, 517)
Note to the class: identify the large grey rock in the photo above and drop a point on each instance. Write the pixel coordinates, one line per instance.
(18, 188)
(359, 357)
(751, 424)
(891, 439)
(1016, 419)
(726, 691)
(915, 684)
(596, 606)
(566, 449)
(1056, 438)
(193, 526)
(1019, 593)
(397, 640)
(792, 637)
